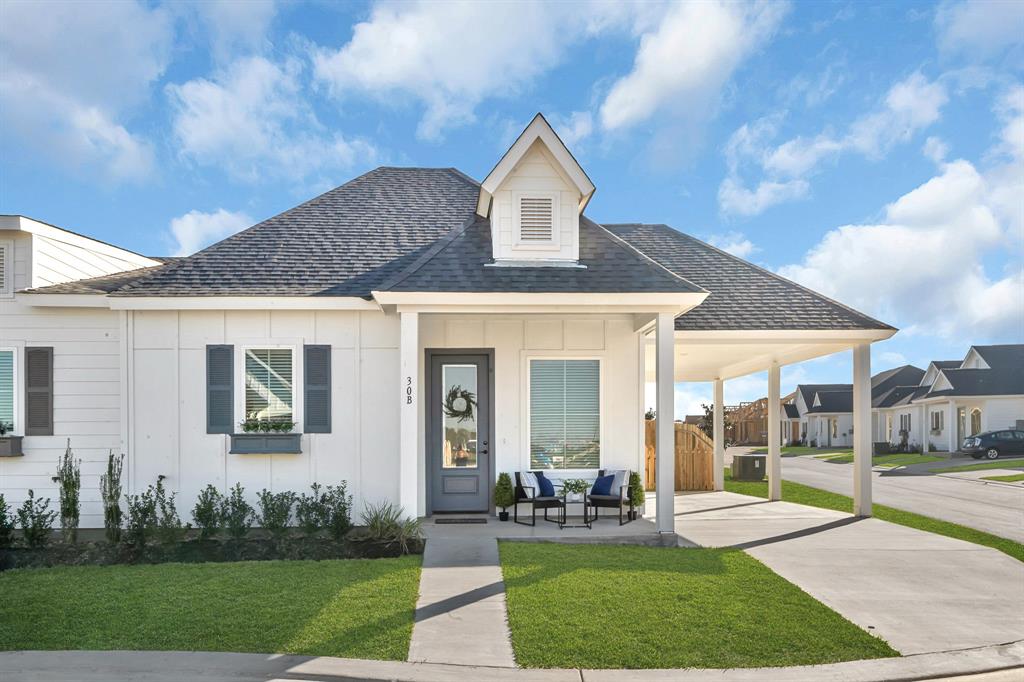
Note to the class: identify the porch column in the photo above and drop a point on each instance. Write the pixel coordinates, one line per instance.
(718, 461)
(951, 423)
(665, 437)
(408, 466)
(774, 450)
(862, 429)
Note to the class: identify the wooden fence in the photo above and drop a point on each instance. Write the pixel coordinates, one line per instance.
(694, 457)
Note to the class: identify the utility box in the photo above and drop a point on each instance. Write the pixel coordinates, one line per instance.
(749, 467)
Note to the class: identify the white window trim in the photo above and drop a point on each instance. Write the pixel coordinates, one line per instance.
(297, 379)
(532, 245)
(19, 417)
(7, 285)
(602, 409)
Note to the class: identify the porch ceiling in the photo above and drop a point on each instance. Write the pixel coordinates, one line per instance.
(706, 356)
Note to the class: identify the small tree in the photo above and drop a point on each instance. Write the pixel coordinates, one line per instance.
(275, 511)
(650, 414)
(36, 520)
(504, 494)
(236, 514)
(110, 492)
(6, 524)
(207, 512)
(69, 483)
(141, 519)
(311, 511)
(169, 529)
(636, 491)
(707, 421)
(338, 505)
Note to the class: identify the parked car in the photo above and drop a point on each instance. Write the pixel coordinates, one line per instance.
(993, 444)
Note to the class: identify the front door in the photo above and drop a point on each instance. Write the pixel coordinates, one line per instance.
(458, 433)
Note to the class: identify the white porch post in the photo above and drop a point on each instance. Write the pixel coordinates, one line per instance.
(951, 422)
(774, 450)
(665, 441)
(408, 467)
(862, 429)
(718, 461)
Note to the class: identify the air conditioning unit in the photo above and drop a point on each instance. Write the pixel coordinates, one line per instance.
(748, 467)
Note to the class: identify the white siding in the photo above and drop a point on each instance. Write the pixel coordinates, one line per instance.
(55, 261)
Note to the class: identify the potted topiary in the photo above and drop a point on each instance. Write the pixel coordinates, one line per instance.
(636, 496)
(504, 495)
(10, 445)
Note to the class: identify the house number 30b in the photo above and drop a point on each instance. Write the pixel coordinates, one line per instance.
(408, 390)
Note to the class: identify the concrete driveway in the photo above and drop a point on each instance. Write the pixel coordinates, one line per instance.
(992, 507)
(919, 591)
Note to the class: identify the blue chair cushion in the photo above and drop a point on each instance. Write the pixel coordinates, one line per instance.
(547, 488)
(603, 485)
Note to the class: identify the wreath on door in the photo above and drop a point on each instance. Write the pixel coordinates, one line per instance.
(459, 404)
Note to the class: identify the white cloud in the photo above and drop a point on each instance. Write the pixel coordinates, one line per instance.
(73, 72)
(935, 149)
(923, 266)
(980, 28)
(251, 120)
(236, 25)
(195, 230)
(688, 57)
(891, 358)
(450, 56)
(735, 243)
(909, 106)
(574, 128)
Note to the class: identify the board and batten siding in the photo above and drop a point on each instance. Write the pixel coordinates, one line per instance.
(168, 398)
(86, 399)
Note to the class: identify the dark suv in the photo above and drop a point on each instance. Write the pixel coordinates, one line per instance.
(992, 444)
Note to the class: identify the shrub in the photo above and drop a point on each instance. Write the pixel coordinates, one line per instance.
(236, 514)
(311, 511)
(275, 511)
(69, 483)
(141, 519)
(636, 491)
(110, 492)
(338, 505)
(207, 512)
(36, 520)
(385, 523)
(504, 494)
(169, 529)
(6, 524)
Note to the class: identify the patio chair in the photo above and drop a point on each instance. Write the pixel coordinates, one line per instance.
(529, 495)
(618, 497)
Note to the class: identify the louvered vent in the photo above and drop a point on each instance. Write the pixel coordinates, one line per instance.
(3, 271)
(536, 219)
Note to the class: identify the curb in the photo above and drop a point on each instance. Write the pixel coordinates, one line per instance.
(46, 666)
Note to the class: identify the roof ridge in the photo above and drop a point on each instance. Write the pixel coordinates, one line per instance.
(439, 245)
(622, 243)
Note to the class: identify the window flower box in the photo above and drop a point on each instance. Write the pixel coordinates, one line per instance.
(10, 446)
(266, 443)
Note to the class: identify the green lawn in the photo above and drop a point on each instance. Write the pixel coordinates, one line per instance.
(1012, 478)
(352, 608)
(798, 450)
(981, 466)
(814, 497)
(604, 606)
(889, 461)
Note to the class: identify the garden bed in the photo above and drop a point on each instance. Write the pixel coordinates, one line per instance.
(354, 546)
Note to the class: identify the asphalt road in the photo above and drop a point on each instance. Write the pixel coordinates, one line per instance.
(994, 508)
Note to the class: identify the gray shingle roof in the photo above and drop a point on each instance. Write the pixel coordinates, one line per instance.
(808, 391)
(1005, 356)
(462, 262)
(104, 284)
(791, 411)
(982, 382)
(907, 375)
(893, 396)
(345, 242)
(743, 296)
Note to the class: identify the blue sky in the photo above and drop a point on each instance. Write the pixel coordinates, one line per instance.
(874, 151)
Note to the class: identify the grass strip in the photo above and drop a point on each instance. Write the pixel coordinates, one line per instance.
(981, 466)
(1012, 478)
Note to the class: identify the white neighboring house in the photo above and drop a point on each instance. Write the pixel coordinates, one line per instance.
(419, 331)
(955, 399)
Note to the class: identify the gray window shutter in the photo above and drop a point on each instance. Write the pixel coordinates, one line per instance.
(220, 389)
(317, 406)
(38, 391)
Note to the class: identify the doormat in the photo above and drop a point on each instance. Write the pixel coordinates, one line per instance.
(446, 521)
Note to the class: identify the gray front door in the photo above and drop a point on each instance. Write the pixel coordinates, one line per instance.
(458, 433)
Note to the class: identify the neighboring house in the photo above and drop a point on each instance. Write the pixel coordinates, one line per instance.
(954, 399)
(826, 410)
(790, 422)
(420, 331)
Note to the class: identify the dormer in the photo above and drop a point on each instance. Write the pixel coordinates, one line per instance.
(974, 360)
(534, 198)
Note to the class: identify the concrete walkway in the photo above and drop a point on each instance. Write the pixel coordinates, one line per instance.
(460, 616)
(919, 591)
(988, 664)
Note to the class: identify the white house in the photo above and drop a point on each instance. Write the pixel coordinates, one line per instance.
(420, 331)
(955, 399)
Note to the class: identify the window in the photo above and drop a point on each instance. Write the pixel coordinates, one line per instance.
(937, 421)
(835, 427)
(565, 414)
(536, 214)
(975, 421)
(7, 387)
(269, 391)
(905, 423)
